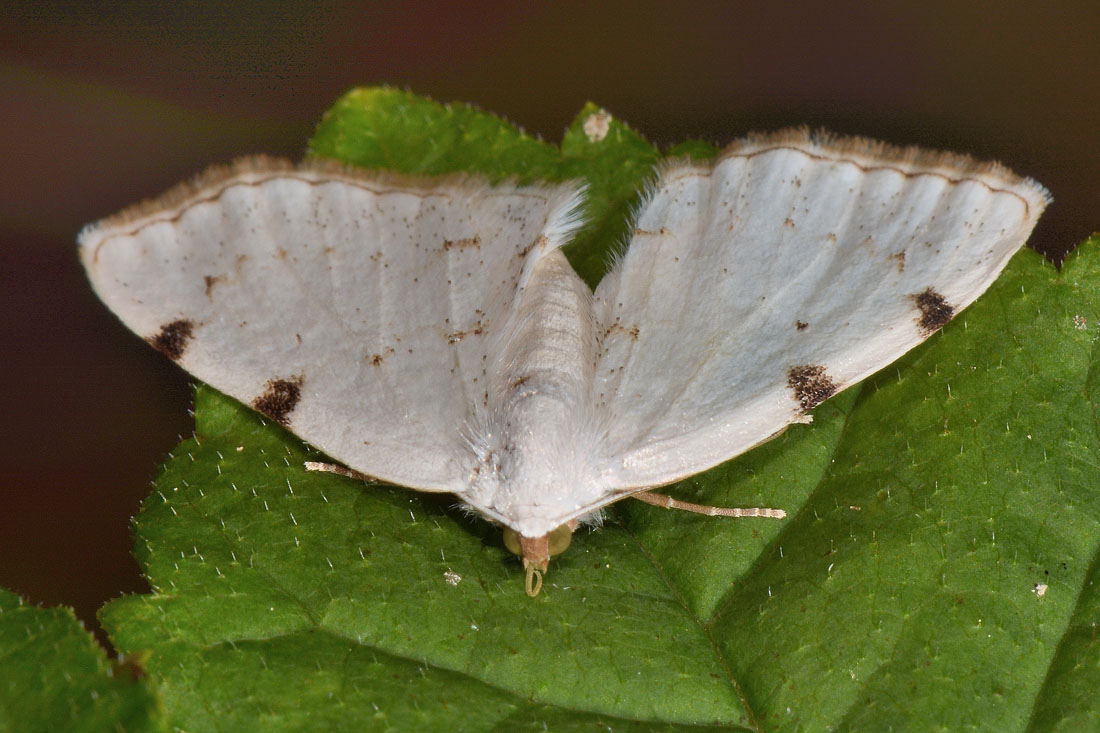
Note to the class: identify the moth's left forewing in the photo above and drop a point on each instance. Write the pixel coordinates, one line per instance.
(757, 287)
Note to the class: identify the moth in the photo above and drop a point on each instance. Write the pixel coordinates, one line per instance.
(429, 332)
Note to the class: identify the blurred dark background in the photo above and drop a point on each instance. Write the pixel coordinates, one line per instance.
(103, 104)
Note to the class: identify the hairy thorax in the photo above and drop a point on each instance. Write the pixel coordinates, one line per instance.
(533, 467)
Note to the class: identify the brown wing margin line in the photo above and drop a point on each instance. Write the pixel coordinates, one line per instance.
(220, 178)
(944, 159)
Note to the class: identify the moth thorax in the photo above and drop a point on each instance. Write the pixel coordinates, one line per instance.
(547, 366)
(541, 392)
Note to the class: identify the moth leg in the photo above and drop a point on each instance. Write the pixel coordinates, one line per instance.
(339, 470)
(666, 501)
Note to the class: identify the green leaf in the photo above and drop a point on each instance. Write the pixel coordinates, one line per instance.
(616, 164)
(53, 676)
(399, 131)
(926, 507)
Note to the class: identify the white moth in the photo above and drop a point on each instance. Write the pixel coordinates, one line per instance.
(429, 333)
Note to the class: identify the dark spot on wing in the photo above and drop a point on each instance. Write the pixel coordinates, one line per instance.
(617, 327)
(279, 399)
(935, 311)
(377, 359)
(210, 281)
(899, 258)
(173, 338)
(811, 385)
(801, 325)
(455, 336)
(467, 243)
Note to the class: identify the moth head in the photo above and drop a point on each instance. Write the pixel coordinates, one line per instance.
(536, 552)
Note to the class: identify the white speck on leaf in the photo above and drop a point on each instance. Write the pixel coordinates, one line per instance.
(596, 125)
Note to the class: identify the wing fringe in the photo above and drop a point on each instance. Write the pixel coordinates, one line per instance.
(210, 183)
(870, 154)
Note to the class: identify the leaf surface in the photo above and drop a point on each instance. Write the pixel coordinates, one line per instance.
(54, 676)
